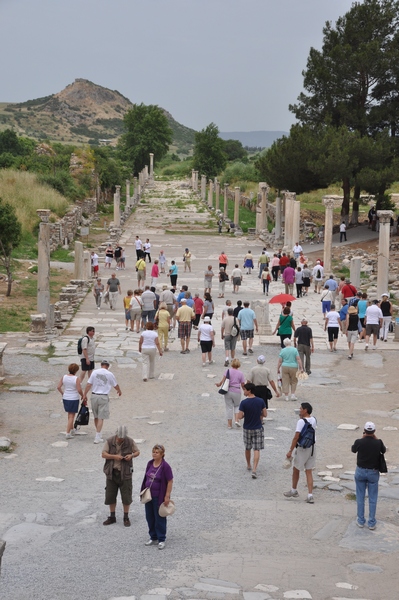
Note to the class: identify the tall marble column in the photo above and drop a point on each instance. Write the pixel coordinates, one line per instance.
(263, 212)
(146, 173)
(195, 181)
(217, 192)
(225, 200)
(289, 220)
(237, 197)
(210, 194)
(117, 206)
(203, 188)
(151, 166)
(86, 265)
(296, 223)
(384, 219)
(277, 227)
(355, 268)
(43, 264)
(192, 179)
(329, 203)
(135, 188)
(128, 203)
(78, 263)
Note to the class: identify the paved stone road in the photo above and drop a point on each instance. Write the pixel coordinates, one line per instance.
(231, 537)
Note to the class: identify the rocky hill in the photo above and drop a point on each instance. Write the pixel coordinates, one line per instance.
(81, 113)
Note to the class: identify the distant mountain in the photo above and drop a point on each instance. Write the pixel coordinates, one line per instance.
(253, 139)
(83, 112)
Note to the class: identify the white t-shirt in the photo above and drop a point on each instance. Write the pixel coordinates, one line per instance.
(94, 260)
(342, 227)
(297, 249)
(70, 392)
(205, 331)
(138, 244)
(332, 318)
(314, 272)
(147, 299)
(236, 273)
(89, 345)
(300, 424)
(147, 247)
(149, 336)
(373, 314)
(102, 381)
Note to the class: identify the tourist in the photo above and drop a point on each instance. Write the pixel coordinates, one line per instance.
(141, 271)
(155, 273)
(318, 276)
(236, 278)
(208, 308)
(352, 329)
(298, 282)
(113, 289)
(88, 352)
(263, 262)
(303, 340)
(252, 409)
(386, 309)
(304, 458)
(326, 300)
(225, 309)
(187, 260)
(206, 339)
(148, 346)
(139, 247)
(198, 309)
(162, 319)
(342, 232)
(265, 280)
(118, 452)
(184, 316)
(101, 381)
(339, 290)
(94, 263)
(289, 363)
(284, 262)
(348, 291)
(332, 325)
(361, 311)
(126, 305)
(168, 297)
(173, 273)
(342, 315)
(238, 308)
(230, 341)
(332, 286)
(297, 249)
(223, 261)
(118, 255)
(248, 262)
(288, 277)
(367, 475)
(148, 299)
(159, 478)
(247, 320)
(109, 255)
(223, 277)
(208, 275)
(233, 397)
(260, 377)
(98, 290)
(136, 308)
(70, 389)
(162, 261)
(285, 326)
(147, 250)
(306, 278)
(275, 265)
(373, 321)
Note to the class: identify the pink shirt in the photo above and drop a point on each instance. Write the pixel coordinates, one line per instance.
(154, 271)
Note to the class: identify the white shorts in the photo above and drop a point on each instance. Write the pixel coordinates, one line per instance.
(304, 459)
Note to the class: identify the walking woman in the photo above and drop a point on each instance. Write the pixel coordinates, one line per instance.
(289, 363)
(352, 329)
(198, 308)
(206, 338)
(71, 394)
(98, 291)
(306, 274)
(136, 308)
(332, 325)
(148, 346)
(248, 262)
(233, 396)
(162, 317)
(159, 478)
(265, 279)
(285, 325)
(209, 308)
(223, 277)
(386, 308)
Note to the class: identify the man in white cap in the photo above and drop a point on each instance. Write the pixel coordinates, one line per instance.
(318, 276)
(119, 451)
(185, 316)
(368, 449)
(260, 377)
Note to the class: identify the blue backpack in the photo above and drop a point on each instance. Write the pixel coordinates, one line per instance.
(307, 436)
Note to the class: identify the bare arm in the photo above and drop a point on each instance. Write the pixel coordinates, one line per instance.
(168, 492)
(293, 443)
(141, 342)
(59, 386)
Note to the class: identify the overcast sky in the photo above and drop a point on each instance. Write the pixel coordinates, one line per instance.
(237, 63)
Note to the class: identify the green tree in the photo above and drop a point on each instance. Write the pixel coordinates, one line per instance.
(147, 130)
(209, 157)
(234, 150)
(10, 236)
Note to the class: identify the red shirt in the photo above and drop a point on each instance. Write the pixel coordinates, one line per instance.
(198, 305)
(348, 291)
(284, 260)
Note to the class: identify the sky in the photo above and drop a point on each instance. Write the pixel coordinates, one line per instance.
(236, 63)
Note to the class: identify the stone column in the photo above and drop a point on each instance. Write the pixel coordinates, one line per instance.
(86, 266)
(43, 263)
(117, 206)
(237, 196)
(135, 188)
(225, 204)
(2, 348)
(145, 173)
(151, 166)
(192, 178)
(261, 309)
(288, 220)
(38, 328)
(384, 217)
(355, 267)
(296, 222)
(329, 203)
(263, 211)
(277, 227)
(203, 188)
(217, 190)
(127, 194)
(210, 194)
(78, 270)
(195, 181)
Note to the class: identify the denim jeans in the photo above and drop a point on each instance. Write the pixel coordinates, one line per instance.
(366, 479)
(156, 524)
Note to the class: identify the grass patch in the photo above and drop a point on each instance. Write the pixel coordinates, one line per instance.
(62, 255)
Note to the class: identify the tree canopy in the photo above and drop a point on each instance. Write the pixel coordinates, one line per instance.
(147, 130)
(10, 236)
(209, 157)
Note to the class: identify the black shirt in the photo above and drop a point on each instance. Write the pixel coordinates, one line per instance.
(237, 310)
(303, 335)
(385, 308)
(368, 451)
(353, 322)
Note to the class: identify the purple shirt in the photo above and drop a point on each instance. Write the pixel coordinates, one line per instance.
(236, 379)
(160, 483)
(289, 275)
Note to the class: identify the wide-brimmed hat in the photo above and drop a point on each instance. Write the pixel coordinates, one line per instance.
(352, 310)
(385, 294)
(167, 511)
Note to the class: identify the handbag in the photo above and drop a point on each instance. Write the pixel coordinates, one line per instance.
(167, 511)
(382, 465)
(83, 416)
(234, 329)
(145, 494)
(224, 388)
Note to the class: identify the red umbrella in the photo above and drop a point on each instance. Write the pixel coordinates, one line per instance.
(282, 299)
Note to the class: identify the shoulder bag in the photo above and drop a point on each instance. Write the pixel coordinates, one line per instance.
(382, 465)
(145, 495)
(286, 317)
(225, 387)
(234, 329)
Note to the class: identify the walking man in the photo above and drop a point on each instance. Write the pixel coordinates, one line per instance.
(141, 272)
(223, 261)
(253, 410)
(139, 247)
(318, 276)
(113, 289)
(88, 351)
(185, 315)
(119, 451)
(373, 321)
(247, 320)
(101, 381)
(342, 232)
(260, 377)
(367, 475)
(305, 458)
(288, 277)
(230, 340)
(236, 278)
(303, 341)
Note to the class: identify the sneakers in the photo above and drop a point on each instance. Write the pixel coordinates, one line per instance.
(161, 545)
(361, 525)
(372, 527)
(68, 436)
(98, 439)
(250, 351)
(293, 397)
(226, 363)
(110, 521)
(244, 354)
(151, 543)
(350, 357)
(237, 424)
(310, 500)
(291, 494)
(204, 364)
(211, 362)
(287, 398)
(366, 347)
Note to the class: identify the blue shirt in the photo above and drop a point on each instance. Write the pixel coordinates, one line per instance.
(332, 284)
(173, 269)
(343, 311)
(246, 317)
(361, 308)
(252, 409)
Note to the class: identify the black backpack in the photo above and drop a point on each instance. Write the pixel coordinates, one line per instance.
(82, 417)
(318, 274)
(80, 350)
(307, 436)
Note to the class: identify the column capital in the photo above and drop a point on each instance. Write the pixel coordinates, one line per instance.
(151, 154)
(384, 216)
(237, 187)
(226, 185)
(329, 202)
(44, 214)
(127, 181)
(117, 187)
